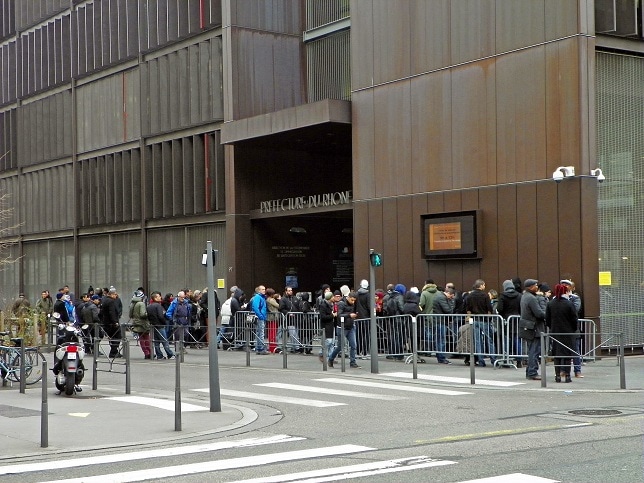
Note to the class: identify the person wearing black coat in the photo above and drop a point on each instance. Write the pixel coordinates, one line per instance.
(328, 313)
(561, 318)
(510, 304)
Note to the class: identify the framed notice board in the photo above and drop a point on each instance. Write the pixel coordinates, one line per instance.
(451, 235)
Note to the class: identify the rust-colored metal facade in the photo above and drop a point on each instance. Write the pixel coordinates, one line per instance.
(473, 105)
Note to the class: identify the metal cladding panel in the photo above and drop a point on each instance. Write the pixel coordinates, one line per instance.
(405, 247)
(562, 102)
(44, 131)
(526, 234)
(105, 107)
(506, 224)
(256, 87)
(521, 116)
(474, 124)
(362, 45)
(285, 16)
(490, 264)
(363, 145)
(431, 135)
(392, 145)
(518, 24)
(472, 27)
(562, 18)
(548, 245)
(391, 40)
(430, 40)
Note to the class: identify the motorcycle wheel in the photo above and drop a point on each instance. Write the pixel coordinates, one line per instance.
(69, 385)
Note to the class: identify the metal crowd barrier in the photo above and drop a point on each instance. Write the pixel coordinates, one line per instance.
(441, 336)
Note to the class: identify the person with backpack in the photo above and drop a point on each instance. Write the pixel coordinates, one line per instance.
(140, 323)
(393, 305)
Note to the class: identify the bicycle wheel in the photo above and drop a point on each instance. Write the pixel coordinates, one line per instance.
(33, 366)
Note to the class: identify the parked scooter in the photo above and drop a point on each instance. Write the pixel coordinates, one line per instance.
(68, 359)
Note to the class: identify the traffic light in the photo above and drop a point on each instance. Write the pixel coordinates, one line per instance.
(375, 259)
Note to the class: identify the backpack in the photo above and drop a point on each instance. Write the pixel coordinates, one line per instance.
(390, 305)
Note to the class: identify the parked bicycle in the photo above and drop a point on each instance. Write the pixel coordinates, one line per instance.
(10, 358)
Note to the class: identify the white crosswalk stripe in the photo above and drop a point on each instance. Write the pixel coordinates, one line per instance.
(512, 478)
(256, 396)
(140, 455)
(336, 392)
(165, 404)
(354, 471)
(455, 380)
(219, 465)
(393, 387)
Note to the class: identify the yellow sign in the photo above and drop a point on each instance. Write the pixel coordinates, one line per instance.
(605, 278)
(445, 236)
(221, 283)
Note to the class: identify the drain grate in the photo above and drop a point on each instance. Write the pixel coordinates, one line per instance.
(595, 412)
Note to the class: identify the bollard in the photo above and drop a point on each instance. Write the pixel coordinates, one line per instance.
(97, 342)
(472, 359)
(44, 410)
(622, 362)
(247, 337)
(23, 378)
(543, 358)
(126, 349)
(414, 346)
(343, 364)
(284, 338)
(177, 387)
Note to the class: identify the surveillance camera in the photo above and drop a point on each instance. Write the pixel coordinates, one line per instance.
(558, 176)
(599, 174)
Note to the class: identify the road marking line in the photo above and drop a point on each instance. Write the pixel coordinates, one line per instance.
(336, 392)
(259, 397)
(157, 403)
(512, 478)
(396, 387)
(354, 471)
(140, 455)
(502, 432)
(227, 464)
(457, 380)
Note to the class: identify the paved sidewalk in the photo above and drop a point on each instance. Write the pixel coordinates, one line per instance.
(109, 422)
(99, 419)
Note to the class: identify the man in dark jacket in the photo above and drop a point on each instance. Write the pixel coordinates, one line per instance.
(393, 304)
(110, 320)
(291, 310)
(478, 302)
(532, 311)
(346, 316)
(443, 305)
(156, 317)
(510, 304)
(328, 312)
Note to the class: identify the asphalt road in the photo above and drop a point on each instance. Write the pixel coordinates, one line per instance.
(380, 429)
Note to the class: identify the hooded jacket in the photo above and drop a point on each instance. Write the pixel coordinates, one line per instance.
(509, 301)
(427, 298)
(362, 303)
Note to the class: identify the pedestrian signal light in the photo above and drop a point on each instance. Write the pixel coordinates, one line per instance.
(375, 259)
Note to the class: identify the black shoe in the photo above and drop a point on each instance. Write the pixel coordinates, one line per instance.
(481, 363)
(148, 356)
(444, 361)
(568, 379)
(330, 364)
(354, 365)
(467, 363)
(557, 378)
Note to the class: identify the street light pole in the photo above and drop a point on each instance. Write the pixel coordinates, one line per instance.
(213, 361)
